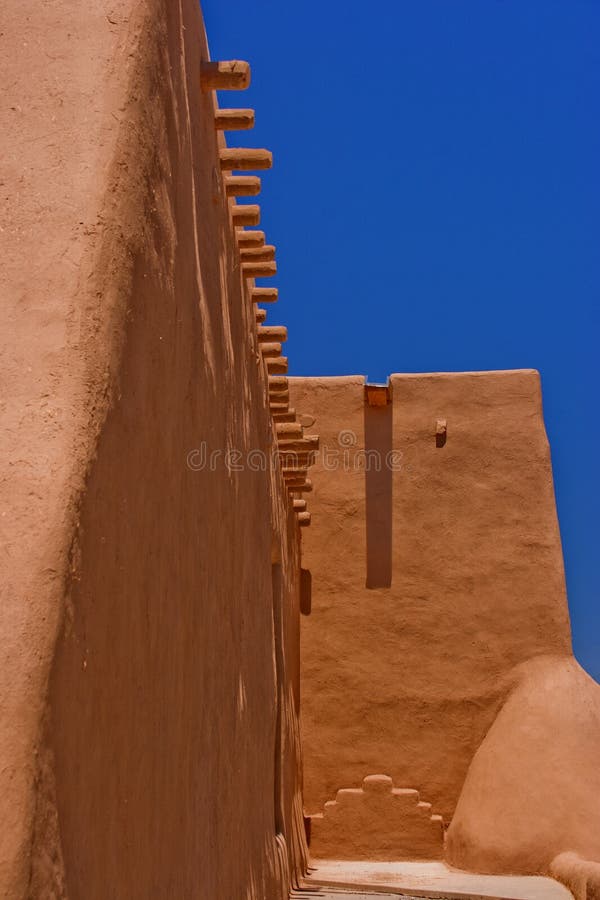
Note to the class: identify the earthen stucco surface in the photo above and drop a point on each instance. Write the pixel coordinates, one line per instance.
(407, 679)
(150, 744)
(150, 658)
(532, 791)
(437, 649)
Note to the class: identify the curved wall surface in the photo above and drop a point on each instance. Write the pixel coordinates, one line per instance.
(532, 790)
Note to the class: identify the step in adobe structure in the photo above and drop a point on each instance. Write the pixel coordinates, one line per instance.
(377, 822)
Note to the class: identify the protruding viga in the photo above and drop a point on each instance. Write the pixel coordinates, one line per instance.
(270, 349)
(264, 295)
(245, 214)
(299, 485)
(234, 119)
(259, 269)
(293, 467)
(250, 238)
(258, 254)
(285, 414)
(295, 459)
(295, 476)
(289, 429)
(225, 75)
(308, 442)
(277, 366)
(245, 158)
(273, 333)
(242, 186)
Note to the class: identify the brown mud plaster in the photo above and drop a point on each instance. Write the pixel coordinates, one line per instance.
(457, 677)
(128, 624)
(150, 615)
(377, 821)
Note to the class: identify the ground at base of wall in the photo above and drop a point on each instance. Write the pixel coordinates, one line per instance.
(335, 894)
(427, 879)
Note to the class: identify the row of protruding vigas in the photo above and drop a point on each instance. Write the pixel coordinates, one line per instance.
(295, 450)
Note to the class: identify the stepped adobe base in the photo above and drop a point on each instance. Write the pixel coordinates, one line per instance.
(377, 822)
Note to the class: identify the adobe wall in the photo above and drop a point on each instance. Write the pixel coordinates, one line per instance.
(149, 741)
(461, 550)
(531, 799)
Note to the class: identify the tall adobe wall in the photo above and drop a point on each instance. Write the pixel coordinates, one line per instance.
(462, 546)
(438, 601)
(149, 741)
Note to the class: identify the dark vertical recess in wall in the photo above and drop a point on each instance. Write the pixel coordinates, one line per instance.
(305, 592)
(276, 579)
(378, 489)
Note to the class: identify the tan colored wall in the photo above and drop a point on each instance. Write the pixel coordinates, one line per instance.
(377, 821)
(148, 764)
(406, 680)
(532, 792)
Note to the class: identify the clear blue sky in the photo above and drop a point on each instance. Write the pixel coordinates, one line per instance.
(435, 203)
